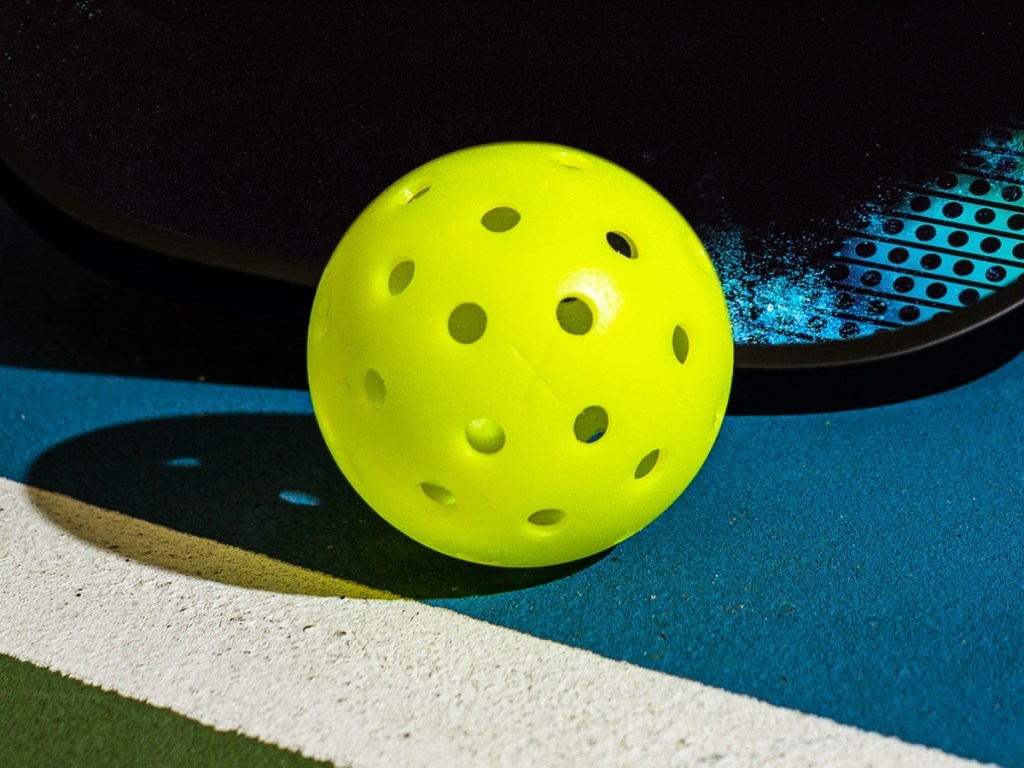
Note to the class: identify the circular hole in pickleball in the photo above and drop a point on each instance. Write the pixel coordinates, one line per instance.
(546, 518)
(467, 323)
(485, 435)
(376, 390)
(622, 244)
(647, 463)
(415, 191)
(591, 424)
(438, 493)
(573, 161)
(500, 219)
(400, 277)
(680, 343)
(575, 315)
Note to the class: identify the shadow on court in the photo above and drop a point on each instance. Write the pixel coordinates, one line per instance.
(261, 483)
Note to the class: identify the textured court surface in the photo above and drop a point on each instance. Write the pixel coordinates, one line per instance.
(175, 533)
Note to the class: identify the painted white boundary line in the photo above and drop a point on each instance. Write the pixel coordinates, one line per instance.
(372, 682)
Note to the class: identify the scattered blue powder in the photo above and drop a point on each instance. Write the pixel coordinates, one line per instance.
(937, 245)
(774, 296)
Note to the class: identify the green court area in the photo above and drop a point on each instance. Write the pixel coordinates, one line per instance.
(49, 719)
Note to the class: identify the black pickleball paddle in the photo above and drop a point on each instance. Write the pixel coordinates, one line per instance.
(851, 167)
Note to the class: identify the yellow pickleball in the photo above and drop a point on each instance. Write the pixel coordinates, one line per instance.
(520, 354)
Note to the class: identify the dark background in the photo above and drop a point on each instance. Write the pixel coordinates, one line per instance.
(215, 152)
(269, 126)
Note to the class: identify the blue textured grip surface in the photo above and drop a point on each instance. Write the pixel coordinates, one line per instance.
(926, 246)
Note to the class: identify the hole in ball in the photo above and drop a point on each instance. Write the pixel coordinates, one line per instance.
(647, 463)
(680, 344)
(500, 219)
(546, 518)
(591, 424)
(467, 323)
(438, 493)
(573, 161)
(485, 435)
(622, 244)
(575, 315)
(376, 390)
(400, 277)
(415, 191)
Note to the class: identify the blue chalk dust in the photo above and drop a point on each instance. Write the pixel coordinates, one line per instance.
(944, 243)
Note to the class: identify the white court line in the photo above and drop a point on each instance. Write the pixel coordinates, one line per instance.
(369, 682)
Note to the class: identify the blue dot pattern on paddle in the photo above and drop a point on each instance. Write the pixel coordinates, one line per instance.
(946, 243)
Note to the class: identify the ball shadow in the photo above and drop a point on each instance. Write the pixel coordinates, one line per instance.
(261, 483)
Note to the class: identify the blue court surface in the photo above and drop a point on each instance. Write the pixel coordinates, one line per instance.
(862, 565)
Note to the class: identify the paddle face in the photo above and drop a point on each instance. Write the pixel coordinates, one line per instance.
(814, 150)
(923, 248)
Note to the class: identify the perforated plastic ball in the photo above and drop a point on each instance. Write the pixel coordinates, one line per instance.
(519, 354)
